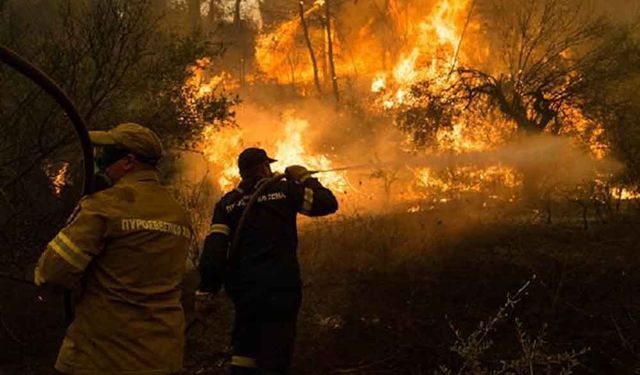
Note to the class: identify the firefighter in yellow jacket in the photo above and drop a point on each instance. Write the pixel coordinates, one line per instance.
(127, 246)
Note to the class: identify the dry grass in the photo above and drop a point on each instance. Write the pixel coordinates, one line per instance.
(380, 293)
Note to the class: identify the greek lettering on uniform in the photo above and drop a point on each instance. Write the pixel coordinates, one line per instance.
(155, 225)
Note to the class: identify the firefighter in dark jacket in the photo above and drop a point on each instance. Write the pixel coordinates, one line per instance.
(263, 278)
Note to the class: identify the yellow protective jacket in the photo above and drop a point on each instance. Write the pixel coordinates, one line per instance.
(127, 245)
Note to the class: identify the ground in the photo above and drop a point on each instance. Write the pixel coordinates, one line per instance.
(383, 294)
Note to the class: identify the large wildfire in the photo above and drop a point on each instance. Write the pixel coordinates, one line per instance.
(378, 61)
(432, 39)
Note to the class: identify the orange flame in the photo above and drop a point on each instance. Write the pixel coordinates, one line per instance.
(432, 54)
(291, 151)
(58, 177)
(221, 149)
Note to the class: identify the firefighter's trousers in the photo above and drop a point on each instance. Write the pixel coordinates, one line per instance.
(264, 331)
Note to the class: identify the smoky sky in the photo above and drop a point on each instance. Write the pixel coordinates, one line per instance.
(619, 9)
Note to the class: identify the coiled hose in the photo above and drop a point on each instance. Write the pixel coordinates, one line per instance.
(47, 84)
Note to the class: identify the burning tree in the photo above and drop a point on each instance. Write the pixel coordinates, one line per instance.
(612, 96)
(545, 48)
(545, 53)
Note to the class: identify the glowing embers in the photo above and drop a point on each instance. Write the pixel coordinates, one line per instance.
(444, 184)
(585, 130)
(58, 176)
(626, 194)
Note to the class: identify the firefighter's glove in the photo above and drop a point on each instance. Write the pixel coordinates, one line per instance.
(297, 173)
(204, 305)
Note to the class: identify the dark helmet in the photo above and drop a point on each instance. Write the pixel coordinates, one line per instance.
(252, 157)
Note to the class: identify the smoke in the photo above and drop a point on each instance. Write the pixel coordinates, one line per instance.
(548, 153)
(558, 158)
(380, 170)
(619, 10)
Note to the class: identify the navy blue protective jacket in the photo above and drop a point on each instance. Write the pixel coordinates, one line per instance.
(266, 253)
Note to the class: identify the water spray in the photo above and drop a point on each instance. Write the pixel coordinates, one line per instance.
(350, 167)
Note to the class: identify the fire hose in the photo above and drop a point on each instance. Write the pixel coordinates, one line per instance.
(49, 86)
(234, 254)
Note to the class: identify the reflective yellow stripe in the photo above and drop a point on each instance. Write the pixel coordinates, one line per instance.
(220, 228)
(65, 255)
(63, 237)
(307, 204)
(240, 361)
(69, 252)
(82, 256)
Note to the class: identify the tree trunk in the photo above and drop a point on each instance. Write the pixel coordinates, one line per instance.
(194, 14)
(241, 38)
(236, 14)
(292, 69)
(211, 16)
(312, 55)
(159, 6)
(325, 64)
(386, 58)
(243, 72)
(549, 202)
(332, 66)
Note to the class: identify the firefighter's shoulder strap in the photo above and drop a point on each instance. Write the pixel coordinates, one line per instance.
(234, 254)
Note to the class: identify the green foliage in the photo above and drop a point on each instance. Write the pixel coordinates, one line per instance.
(119, 61)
